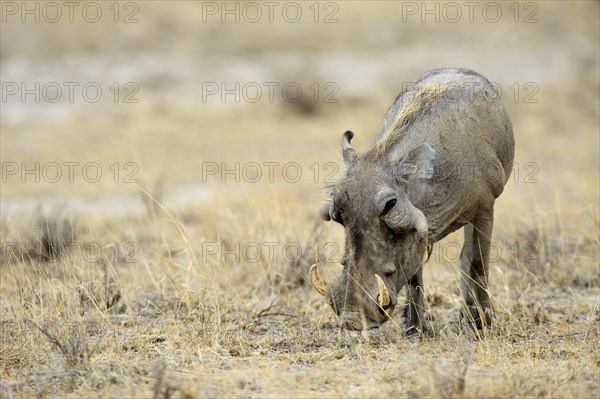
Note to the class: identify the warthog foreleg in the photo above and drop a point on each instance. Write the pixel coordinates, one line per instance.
(413, 317)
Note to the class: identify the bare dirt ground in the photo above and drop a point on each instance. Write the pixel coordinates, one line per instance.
(180, 270)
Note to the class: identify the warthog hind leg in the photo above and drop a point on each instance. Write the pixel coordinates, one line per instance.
(474, 259)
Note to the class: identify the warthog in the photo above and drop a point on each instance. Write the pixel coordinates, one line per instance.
(440, 158)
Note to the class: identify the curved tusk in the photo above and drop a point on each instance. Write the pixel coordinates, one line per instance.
(384, 295)
(315, 280)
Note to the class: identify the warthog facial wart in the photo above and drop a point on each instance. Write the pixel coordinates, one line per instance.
(395, 199)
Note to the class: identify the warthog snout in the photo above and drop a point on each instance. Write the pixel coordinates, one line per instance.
(358, 308)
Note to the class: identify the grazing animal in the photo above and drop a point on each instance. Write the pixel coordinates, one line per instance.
(440, 158)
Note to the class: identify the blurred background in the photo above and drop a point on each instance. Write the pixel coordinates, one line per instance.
(164, 92)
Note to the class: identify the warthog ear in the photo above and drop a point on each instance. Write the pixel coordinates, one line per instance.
(348, 152)
(418, 163)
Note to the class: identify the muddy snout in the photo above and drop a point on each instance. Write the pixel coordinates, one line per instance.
(358, 308)
(370, 316)
(354, 322)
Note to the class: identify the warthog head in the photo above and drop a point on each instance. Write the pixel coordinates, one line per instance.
(386, 236)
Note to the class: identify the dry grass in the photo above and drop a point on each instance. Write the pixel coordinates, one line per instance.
(160, 293)
(183, 322)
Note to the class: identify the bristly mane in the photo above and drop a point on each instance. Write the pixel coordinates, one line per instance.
(415, 102)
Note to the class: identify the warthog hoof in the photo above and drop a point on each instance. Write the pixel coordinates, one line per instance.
(413, 327)
(475, 319)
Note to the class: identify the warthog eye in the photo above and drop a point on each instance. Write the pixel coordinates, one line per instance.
(388, 206)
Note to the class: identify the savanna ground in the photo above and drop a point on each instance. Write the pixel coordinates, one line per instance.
(187, 281)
